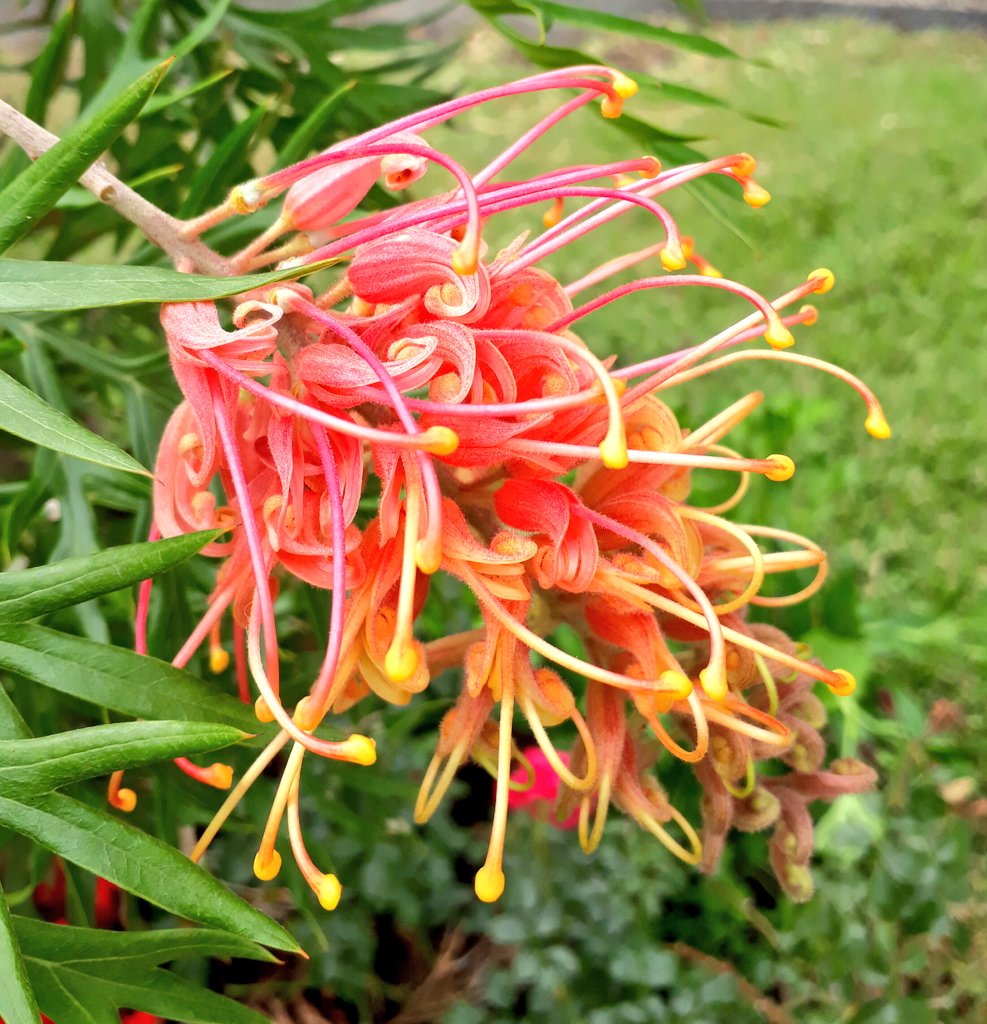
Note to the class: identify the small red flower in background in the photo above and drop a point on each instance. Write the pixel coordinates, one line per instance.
(538, 799)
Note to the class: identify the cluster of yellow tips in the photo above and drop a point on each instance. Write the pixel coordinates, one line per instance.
(372, 642)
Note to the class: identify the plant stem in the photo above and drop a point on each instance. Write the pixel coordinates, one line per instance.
(158, 227)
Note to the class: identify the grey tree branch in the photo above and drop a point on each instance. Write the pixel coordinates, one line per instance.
(158, 227)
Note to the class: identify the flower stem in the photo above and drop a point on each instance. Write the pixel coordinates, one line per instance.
(158, 227)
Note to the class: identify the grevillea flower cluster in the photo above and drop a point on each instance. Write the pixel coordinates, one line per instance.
(553, 484)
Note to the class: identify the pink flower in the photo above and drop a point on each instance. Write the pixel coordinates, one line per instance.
(504, 453)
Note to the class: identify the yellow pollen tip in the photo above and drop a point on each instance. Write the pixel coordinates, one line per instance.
(671, 257)
(778, 335)
(267, 865)
(745, 166)
(825, 279)
(489, 884)
(847, 685)
(219, 776)
(624, 86)
(263, 711)
(358, 749)
(401, 660)
(428, 555)
(784, 468)
(440, 440)
(653, 169)
(464, 260)
(125, 800)
(613, 452)
(611, 108)
(328, 890)
(811, 315)
(710, 271)
(714, 683)
(677, 683)
(877, 426)
(219, 660)
(755, 195)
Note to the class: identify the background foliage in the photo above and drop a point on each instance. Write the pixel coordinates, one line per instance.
(875, 173)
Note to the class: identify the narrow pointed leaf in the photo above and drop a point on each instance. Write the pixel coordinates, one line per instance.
(115, 678)
(50, 762)
(87, 949)
(602, 20)
(48, 286)
(46, 588)
(36, 190)
(17, 1003)
(137, 862)
(163, 994)
(25, 415)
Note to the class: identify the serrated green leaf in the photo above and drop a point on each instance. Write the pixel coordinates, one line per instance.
(36, 190)
(17, 1003)
(40, 286)
(25, 415)
(45, 763)
(138, 863)
(31, 592)
(118, 679)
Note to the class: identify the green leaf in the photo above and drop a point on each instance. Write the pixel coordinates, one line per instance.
(594, 19)
(118, 679)
(46, 588)
(50, 762)
(88, 949)
(137, 862)
(40, 286)
(27, 416)
(17, 1004)
(35, 191)
(162, 101)
(123, 966)
(48, 67)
